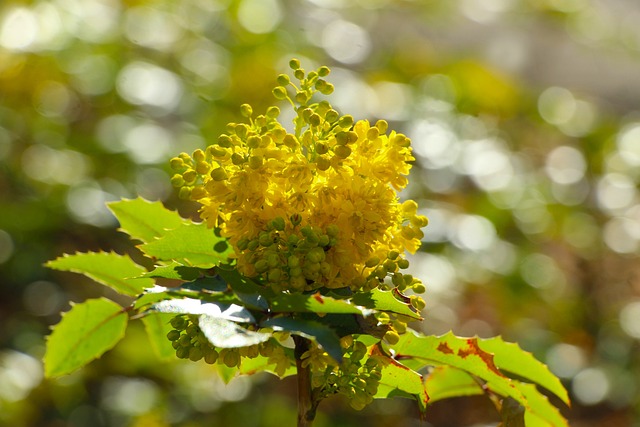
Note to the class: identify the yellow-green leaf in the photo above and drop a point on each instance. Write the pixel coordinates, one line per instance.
(118, 272)
(85, 333)
(144, 220)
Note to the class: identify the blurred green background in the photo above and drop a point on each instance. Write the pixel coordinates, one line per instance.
(525, 120)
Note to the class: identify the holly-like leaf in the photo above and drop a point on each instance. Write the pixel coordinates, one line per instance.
(540, 412)
(461, 353)
(322, 334)
(314, 303)
(144, 220)
(378, 299)
(226, 334)
(192, 244)
(232, 312)
(399, 381)
(251, 366)
(118, 272)
(511, 358)
(444, 382)
(85, 333)
(157, 326)
(175, 271)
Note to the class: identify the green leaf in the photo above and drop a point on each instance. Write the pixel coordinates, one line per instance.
(399, 381)
(261, 364)
(461, 353)
(85, 333)
(378, 299)
(232, 312)
(157, 326)
(118, 272)
(144, 220)
(175, 271)
(511, 358)
(444, 382)
(192, 244)
(226, 334)
(540, 413)
(315, 303)
(322, 334)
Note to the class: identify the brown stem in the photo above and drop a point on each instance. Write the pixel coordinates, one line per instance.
(306, 404)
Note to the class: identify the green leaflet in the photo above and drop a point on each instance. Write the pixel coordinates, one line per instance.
(157, 326)
(315, 303)
(192, 244)
(85, 333)
(461, 353)
(511, 358)
(399, 381)
(322, 334)
(444, 382)
(471, 355)
(118, 272)
(175, 271)
(384, 301)
(144, 220)
(227, 334)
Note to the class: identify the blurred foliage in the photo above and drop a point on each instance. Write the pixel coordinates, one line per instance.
(524, 119)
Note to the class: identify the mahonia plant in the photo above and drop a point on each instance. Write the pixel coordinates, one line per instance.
(298, 267)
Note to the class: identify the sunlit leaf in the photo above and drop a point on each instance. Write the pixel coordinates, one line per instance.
(175, 270)
(461, 353)
(511, 358)
(385, 301)
(118, 272)
(314, 303)
(157, 326)
(399, 381)
(85, 333)
(195, 306)
(144, 220)
(540, 412)
(444, 382)
(227, 334)
(322, 334)
(193, 244)
(258, 364)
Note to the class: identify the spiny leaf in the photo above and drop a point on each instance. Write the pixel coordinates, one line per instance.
(85, 333)
(157, 326)
(174, 270)
(399, 381)
(191, 243)
(230, 312)
(315, 303)
(144, 220)
(118, 272)
(540, 412)
(511, 358)
(461, 353)
(444, 382)
(226, 334)
(322, 334)
(384, 301)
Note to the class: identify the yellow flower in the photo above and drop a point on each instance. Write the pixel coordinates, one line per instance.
(310, 208)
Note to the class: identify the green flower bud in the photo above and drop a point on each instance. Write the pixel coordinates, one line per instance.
(382, 126)
(199, 155)
(177, 180)
(261, 266)
(283, 80)
(331, 116)
(279, 92)
(195, 354)
(295, 219)
(253, 245)
(278, 223)
(332, 230)
(243, 243)
(345, 122)
(294, 64)
(299, 73)
(273, 112)
(202, 168)
(342, 151)
(176, 163)
(255, 162)
(225, 141)
(373, 133)
(184, 193)
(253, 141)
(302, 98)
(211, 356)
(324, 71)
(403, 263)
(237, 159)
(419, 288)
(327, 89)
(218, 174)
(246, 110)
(265, 240)
(372, 262)
(392, 337)
(314, 120)
(173, 335)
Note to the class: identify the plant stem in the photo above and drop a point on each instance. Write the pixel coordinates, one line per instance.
(306, 405)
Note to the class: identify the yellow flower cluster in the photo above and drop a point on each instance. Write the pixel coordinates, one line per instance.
(313, 208)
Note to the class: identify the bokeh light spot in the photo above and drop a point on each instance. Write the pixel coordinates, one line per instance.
(6, 246)
(142, 83)
(260, 16)
(556, 105)
(566, 360)
(346, 42)
(591, 386)
(565, 165)
(18, 29)
(630, 319)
